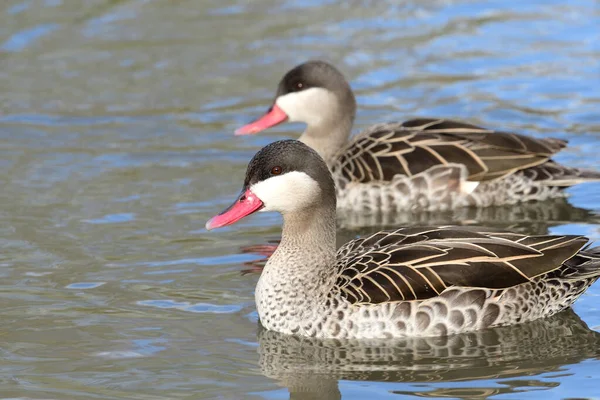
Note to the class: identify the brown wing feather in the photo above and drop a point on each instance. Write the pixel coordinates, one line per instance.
(419, 263)
(553, 174)
(414, 146)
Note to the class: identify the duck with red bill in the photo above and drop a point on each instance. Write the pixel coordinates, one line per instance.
(443, 164)
(414, 281)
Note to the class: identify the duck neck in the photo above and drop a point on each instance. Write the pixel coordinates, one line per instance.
(301, 267)
(310, 234)
(329, 134)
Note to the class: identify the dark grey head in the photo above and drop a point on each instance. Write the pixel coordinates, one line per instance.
(285, 176)
(313, 74)
(315, 93)
(289, 171)
(290, 156)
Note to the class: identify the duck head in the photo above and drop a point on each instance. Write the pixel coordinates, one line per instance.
(315, 93)
(285, 176)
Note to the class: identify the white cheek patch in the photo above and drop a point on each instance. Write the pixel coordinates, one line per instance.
(286, 193)
(308, 105)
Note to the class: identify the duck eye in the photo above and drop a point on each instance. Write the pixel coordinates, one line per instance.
(276, 171)
(298, 85)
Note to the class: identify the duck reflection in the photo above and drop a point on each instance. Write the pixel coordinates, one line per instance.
(311, 368)
(534, 218)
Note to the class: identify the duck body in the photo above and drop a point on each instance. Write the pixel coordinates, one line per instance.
(437, 164)
(428, 281)
(421, 164)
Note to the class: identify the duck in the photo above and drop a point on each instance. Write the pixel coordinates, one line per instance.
(411, 281)
(428, 164)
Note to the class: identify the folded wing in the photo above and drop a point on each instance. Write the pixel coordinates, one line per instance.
(414, 146)
(420, 263)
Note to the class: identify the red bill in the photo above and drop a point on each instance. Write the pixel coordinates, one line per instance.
(245, 205)
(274, 116)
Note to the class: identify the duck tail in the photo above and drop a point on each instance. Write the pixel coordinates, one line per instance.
(583, 265)
(553, 174)
(555, 144)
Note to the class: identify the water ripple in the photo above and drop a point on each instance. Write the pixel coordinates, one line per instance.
(201, 308)
(23, 39)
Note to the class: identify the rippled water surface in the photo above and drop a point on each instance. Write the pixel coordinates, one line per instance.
(116, 145)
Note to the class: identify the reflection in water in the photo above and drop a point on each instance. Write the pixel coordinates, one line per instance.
(311, 368)
(532, 218)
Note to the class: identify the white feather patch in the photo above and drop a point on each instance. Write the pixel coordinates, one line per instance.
(308, 105)
(468, 187)
(287, 193)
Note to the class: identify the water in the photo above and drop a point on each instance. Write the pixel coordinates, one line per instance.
(116, 121)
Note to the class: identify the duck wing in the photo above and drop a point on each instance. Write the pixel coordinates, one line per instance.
(411, 147)
(418, 263)
(553, 174)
